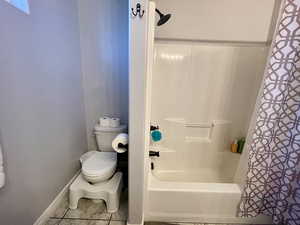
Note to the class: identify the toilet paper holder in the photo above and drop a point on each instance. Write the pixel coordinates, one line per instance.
(120, 145)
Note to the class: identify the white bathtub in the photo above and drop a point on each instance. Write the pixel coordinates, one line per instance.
(171, 201)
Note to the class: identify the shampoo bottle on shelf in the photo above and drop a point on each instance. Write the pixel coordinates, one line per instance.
(234, 146)
(241, 143)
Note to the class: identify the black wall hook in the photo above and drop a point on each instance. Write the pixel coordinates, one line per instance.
(138, 12)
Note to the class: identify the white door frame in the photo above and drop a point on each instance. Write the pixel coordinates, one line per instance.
(137, 112)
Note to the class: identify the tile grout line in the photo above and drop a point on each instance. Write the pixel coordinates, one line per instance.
(69, 218)
(63, 216)
(109, 219)
(93, 219)
(60, 217)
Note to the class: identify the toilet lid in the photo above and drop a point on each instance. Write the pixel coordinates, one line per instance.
(99, 163)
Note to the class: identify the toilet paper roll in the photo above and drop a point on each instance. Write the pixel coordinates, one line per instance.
(120, 143)
(104, 121)
(114, 122)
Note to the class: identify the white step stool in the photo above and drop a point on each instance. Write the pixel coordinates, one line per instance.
(109, 191)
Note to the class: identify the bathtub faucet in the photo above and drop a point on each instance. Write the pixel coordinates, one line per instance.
(153, 153)
(152, 128)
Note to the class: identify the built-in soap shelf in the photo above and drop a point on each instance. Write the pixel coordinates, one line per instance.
(160, 149)
(190, 139)
(201, 132)
(199, 125)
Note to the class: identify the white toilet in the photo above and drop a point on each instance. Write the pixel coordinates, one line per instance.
(98, 179)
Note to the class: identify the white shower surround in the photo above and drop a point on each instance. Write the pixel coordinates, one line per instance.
(203, 96)
(193, 180)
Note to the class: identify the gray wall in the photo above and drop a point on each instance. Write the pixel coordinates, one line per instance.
(42, 125)
(104, 49)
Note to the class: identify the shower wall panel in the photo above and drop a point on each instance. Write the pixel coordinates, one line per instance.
(203, 95)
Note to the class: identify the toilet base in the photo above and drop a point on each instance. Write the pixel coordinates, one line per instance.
(109, 191)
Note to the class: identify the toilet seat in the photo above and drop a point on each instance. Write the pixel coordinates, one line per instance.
(99, 166)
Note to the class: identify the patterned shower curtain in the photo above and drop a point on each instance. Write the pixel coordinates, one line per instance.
(273, 180)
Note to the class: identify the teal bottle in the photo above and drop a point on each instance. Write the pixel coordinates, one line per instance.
(156, 135)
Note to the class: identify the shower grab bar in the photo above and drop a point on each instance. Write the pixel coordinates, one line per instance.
(199, 125)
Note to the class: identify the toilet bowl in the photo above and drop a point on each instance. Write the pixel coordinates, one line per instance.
(98, 166)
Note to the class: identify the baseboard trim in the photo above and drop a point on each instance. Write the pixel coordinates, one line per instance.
(134, 224)
(142, 222)
(55, 203)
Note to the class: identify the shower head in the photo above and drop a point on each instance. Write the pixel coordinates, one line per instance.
(162, 18)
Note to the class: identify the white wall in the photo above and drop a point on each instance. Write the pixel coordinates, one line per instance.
(223, 20)
(42, 124)
(204, 83)
(104, 56)
(138, 28)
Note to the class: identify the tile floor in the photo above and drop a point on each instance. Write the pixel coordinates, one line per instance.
(90, 213)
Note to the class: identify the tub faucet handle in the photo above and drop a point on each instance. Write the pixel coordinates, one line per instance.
(152, 128)
(153, 153)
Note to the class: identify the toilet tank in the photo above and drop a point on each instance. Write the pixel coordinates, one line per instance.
(105, 136)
